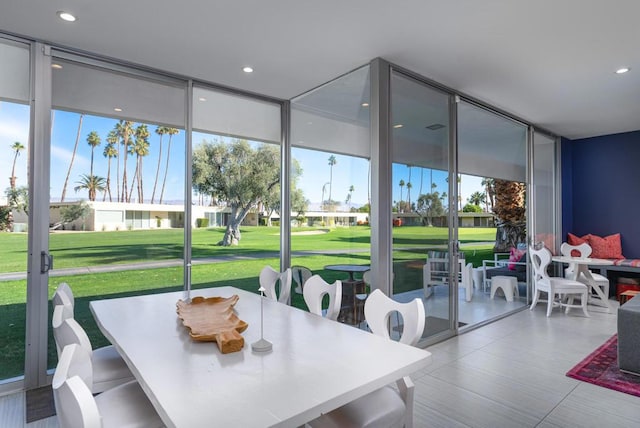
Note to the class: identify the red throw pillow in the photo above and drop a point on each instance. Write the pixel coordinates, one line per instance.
(608, 247)
(514, 256)
(576, 240)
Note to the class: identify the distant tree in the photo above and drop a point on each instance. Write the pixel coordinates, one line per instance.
(114, 140)
(18, 198)
(92, 184)
(17, 147)
(429, 206)
(297, 200)
(471, 208)
(171, 132)
(124, 129)
(140, 148)
(109, 153)
(332, 162)
(409, 187)
(489, 186)
(237, 174)
(476, 198)
(401, 184)
(160, 130)
(349, 195)
(93, 139)
(73, 156)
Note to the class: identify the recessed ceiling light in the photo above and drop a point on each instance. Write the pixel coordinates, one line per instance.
(398, 125)
(66, 16)
(247, 69)
(202, 99)
(622, 70)
(117, 109)
(365, 104)
(56, 66)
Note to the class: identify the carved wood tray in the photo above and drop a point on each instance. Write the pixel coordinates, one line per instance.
(213, 319)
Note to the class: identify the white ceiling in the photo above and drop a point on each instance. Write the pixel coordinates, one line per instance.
(550, 62)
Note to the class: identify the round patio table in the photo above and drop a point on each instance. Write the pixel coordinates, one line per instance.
(350, 287)
(350, 269)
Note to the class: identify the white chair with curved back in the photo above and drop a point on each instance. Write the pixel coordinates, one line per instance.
(300, 275)
(125, 405)
(63, 295)
(315, 289)
(269, 278)
(109, 369)
(384, 407)
(584, 251)
(561, 287)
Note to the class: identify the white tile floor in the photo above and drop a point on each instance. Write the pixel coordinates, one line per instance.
(510, 373)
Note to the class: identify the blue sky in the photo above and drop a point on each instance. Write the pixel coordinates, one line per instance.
(348, 171)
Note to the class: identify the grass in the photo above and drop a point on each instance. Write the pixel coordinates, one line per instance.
(86, 249)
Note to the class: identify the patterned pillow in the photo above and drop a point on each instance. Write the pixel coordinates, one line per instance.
(609, 247)
(516, 255)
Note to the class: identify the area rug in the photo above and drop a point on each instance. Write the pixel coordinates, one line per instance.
(601, 368)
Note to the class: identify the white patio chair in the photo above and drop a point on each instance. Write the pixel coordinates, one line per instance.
(300, 275)
(584, 251)
(123, 406)
(436, 272)
(269, 278)
(109, 369)
(560, 287)
(384, 407)
(315, 289)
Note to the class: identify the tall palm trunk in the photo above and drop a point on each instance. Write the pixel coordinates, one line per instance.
(73, 156)
(155, 183)
(108, 188)
(166, 168)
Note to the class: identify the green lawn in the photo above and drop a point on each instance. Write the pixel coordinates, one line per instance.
(80, 249)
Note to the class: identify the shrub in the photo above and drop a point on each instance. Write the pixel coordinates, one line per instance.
(202, 222)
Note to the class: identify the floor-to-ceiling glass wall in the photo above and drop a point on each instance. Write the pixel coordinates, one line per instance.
(14, 156)
(544, 218)
(330, 187)
(117, 180)
(492, 224)
(420, 121)
(236, 173)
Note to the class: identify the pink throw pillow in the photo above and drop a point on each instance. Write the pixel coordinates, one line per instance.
(608, 247)
(515, 255)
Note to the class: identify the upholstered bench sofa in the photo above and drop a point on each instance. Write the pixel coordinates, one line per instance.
(629, 336)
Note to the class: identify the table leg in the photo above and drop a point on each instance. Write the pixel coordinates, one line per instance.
(602, 300)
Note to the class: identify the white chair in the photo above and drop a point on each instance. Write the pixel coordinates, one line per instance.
(269, 278)
(63, 295)
(109, 369)
(436, 272)
(123, 406)
(300, 275)
(584, 251)
(315, 289)
(384, 407)
(560, 287)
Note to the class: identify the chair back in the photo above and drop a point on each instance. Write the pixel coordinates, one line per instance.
(269, 278)
(584, 249)
(540, 259)
(378, 309)
(300, 275)
(60, 314)
(68, 332)
(314, 290)
(72, 380)
(63, 295)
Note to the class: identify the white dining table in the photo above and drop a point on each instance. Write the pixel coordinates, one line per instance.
(582, 267)
(316, 365)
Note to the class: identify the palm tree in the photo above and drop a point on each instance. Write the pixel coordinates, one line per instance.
(489, 192)
(109, 153)
(332, 162)
(91, 183)
(93, 139)
(17, 147)
(124, 129)
(351, 189)
(401, 184)
(476, 198)
(421, 175)
(171, 132)
(113, 140)
(73, 156)
(141, 149)
(160, 130)
(409, 186)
